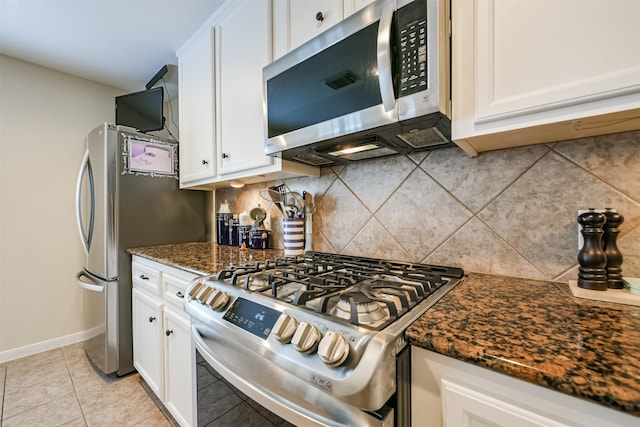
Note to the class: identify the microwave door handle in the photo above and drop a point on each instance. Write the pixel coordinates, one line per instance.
(384, 58)
(85, 235)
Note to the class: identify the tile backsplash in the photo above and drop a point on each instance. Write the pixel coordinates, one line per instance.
(511, 212)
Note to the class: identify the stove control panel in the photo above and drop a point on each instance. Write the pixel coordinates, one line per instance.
(318, 341)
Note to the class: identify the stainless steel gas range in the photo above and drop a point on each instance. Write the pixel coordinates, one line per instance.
(316, 339)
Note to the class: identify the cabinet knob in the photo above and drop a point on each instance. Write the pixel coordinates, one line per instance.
(179, 294)
(151, 319)
(204, 162)
(319, 17)
(225, 156)
(143, 277)
(168, 332)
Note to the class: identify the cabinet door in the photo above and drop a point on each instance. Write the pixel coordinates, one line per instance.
(463, 407)
(296, 21)
(147, 340)
(520, 64)
(352, 6)
(179, 362)
(243, 47)
(196, 98)
(305, 22)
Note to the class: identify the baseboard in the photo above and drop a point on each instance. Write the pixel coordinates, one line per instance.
(39, 347)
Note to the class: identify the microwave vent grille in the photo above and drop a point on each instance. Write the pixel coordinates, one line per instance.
(423, 138)
(312, 159)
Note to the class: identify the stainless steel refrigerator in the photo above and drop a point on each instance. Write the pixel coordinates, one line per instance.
(127, 195)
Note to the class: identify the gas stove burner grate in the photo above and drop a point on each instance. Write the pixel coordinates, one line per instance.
(366, 292)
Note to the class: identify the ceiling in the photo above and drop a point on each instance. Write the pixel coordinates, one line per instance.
(121, 43)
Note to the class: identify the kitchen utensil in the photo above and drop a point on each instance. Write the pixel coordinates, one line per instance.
(289, 202)
(258, 214)
(270, 194)
(610, 247)
(282, 188)
(295, 200)
(592, 273)
(308, 222)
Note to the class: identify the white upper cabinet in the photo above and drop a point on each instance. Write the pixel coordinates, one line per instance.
(532, 71)
(243, 47)
(221, 121)
(196, 99)
(298, 21)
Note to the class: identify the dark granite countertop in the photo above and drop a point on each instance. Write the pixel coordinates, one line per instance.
(537, 331)
(203, 257)
(533, 330)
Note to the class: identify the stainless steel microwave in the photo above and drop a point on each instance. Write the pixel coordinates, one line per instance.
(375, 84)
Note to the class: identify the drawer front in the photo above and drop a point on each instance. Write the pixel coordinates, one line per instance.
(174, 291)
(146, 278)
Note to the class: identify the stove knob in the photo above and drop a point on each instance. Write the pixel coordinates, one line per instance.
(333, 349)
(306, 338)
(217, 300)
(204, 295)
(195, 290)
(285, 328)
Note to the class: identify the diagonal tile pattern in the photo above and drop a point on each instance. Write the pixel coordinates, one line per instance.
(612, 158)
(367, 243)
(545, 201)
(340, 215)
(504, 259)
(476, 181)
(421, 215)
(60, 387)
(510, 212)
(375, 181)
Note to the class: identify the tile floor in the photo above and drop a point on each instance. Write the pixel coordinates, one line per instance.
(61, 388)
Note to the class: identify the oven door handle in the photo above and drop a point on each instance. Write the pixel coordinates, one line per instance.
(271, 401)
(228, 357)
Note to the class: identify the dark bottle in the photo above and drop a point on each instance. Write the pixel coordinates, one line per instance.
(592, 273)
(610, 247)
(222, 230)
(234, 223)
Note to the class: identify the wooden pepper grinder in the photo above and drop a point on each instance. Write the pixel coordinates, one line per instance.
(611, 251)
(592, 273)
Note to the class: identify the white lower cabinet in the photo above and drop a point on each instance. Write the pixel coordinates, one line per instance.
(147, 339)
(162, 350)
(451, 393)
(178, 395)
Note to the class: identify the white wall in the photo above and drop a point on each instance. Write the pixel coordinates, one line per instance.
(44, 117)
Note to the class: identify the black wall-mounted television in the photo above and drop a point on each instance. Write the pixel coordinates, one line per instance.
(141, 110)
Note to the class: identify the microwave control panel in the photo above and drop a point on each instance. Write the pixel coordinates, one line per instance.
(412, 44)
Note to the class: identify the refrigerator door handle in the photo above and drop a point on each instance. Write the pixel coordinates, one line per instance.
(93, 286)
(85, 235)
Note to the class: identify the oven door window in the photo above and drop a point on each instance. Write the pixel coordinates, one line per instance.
(339, 80)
